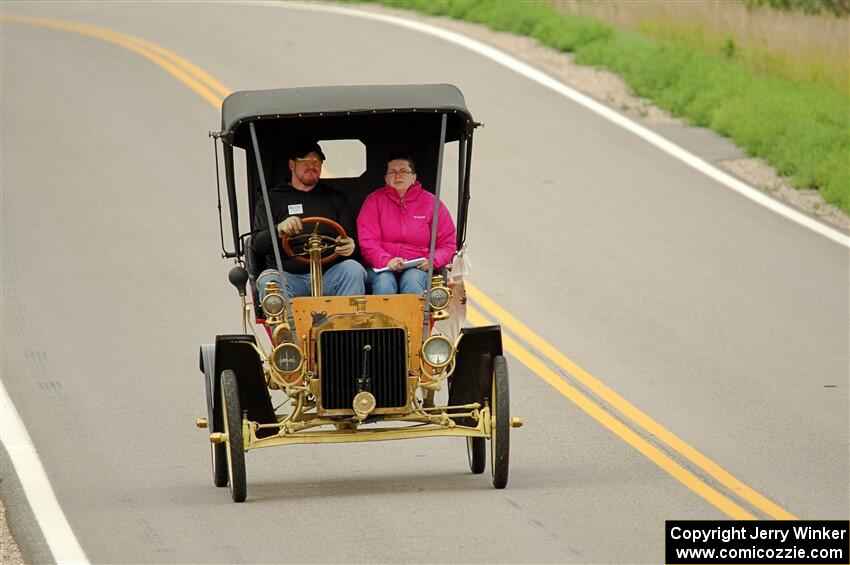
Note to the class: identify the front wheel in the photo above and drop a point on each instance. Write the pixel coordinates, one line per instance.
(500, 434)
(232, 416)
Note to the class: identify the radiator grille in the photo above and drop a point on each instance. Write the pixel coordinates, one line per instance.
(342, 364)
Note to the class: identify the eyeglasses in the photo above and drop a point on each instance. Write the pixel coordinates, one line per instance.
(308, 161)
(393, 172)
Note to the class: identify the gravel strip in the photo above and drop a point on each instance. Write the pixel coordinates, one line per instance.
(10, 554)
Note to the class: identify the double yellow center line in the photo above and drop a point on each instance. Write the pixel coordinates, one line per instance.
(628, 414)
(534, 353)
(192, 76)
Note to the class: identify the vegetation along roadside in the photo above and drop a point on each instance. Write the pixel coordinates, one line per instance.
(764, 100)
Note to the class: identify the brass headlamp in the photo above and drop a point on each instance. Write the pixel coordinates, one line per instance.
(286, 363)
(274, 305)
(438, 351)
(439, 298)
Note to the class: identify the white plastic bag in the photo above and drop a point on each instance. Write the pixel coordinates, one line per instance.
(455, 273)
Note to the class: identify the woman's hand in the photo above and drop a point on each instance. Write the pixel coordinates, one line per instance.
(395, 264)
(424, 266)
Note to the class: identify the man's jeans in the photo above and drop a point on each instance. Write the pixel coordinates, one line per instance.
(409, 281)
(347, 278)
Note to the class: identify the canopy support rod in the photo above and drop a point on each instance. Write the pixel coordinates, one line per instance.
(461, 170)
(442, 146)
(270, 218)
(218, 194)
(463, 202)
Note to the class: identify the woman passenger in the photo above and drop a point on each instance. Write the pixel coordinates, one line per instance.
(394, 226)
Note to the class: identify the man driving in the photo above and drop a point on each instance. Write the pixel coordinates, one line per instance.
(304, 196)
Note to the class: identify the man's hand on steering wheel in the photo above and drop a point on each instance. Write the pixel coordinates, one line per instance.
(345, 246)
(341, 245)
(290, 226)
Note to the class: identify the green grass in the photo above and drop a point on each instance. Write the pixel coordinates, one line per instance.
(833, 7)
(790, 47)
(802, 129)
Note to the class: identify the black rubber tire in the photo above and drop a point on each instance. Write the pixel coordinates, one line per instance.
(476, 451)
(218, 453)
(500, 434)
(219, 464)
(232, 417)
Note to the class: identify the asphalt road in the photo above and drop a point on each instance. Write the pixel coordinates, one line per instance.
(722, 321)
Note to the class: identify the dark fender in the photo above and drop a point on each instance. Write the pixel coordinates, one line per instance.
(472, 378)
(207, 362)
(236, 352)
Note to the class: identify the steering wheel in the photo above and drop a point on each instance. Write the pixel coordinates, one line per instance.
(302, 240)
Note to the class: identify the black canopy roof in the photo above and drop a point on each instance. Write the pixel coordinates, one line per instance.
(246, 106)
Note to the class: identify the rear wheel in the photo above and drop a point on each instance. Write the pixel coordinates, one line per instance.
(500, 433)
(232, 417)
(219, 464)
(476, 451)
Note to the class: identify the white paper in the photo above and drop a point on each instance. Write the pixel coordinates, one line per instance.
(406, 265)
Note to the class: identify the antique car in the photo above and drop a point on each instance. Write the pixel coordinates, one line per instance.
(348, 368)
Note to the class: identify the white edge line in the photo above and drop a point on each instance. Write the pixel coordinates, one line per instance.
(543, 79)
(54, 526)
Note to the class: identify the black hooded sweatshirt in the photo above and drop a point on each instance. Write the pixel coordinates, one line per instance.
(287, 201)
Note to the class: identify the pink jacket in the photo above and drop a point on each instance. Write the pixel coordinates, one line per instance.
(389, 226)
